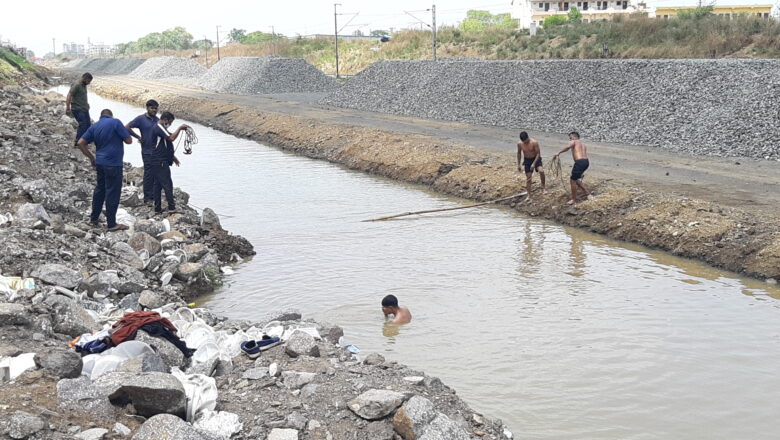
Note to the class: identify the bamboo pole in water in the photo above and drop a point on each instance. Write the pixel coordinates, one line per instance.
(428, 211)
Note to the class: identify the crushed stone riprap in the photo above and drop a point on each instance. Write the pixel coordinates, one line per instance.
(712, 107)
(122, 66)
(168, 67)
(265, 75)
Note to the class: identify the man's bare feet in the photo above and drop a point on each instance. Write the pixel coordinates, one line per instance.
(544, 191)
(571, 202)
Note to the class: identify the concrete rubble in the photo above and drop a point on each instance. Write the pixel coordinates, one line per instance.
(146, 388)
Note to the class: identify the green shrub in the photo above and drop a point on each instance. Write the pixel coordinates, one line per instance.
(555, 20)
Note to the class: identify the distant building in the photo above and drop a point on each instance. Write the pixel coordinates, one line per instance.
(74, 49)
(100, 49)
(763, 11)
(344, 37)
(535, 11)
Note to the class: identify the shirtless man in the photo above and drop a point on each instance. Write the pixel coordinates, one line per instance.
(579, 152)
(401, 315)
(529, 158)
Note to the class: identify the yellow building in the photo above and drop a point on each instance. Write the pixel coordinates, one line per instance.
(763, 11)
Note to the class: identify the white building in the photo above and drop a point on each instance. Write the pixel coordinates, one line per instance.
(535, 11)
(100, 49)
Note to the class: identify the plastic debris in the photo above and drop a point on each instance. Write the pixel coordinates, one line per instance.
(201, 392)
(18, 364)
(222, 424)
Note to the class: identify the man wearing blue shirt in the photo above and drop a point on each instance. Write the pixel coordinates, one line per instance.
(162, 159)
(107, 134)
(146, 123)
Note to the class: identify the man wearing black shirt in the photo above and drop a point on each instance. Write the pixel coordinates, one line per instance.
(162, 159)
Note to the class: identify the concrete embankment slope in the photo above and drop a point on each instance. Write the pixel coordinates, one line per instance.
(714, 107)
(708, 231)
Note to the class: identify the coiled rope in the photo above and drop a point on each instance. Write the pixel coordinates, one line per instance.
(190, 139)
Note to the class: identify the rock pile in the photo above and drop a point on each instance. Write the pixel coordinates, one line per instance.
(693, 106)
(105, 66)
(265, 75)
(168, 67)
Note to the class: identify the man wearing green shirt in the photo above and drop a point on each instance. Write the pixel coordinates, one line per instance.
(76, 105)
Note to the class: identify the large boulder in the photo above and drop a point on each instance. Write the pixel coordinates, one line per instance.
(29, 214)
(80, 394)
(61, 364)
(149, 393)
(57, 275)
(127, 255)
(168, 427)
(189, 271)
(301, 344)
(151, 227)
(444, 428)
(142, 240)
(195, 251)
(296, 379)
(375, 404)
(69, 317)
(21, 425)
(413, 417)
(149, 362)
(172, 356)
(13, 314)
(210, 220)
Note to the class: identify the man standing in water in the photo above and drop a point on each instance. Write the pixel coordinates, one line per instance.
(529, 159)
(76, 105)
(579, 152)
(146, 124)
(401, 315)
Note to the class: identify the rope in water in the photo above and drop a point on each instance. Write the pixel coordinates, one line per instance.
(428, 211)
(201, 210)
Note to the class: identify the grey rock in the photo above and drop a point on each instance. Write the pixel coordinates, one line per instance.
(142, 240)
(413, 417)
(92, 434)
(101, 283)
(375, 404)
(151, 227)
(127, 255)
(290, 315)
(61, 364)
(444, 428)
(210, 220)
(57, 275)
(30, 213)
(13, 314)
(283, 434)
(301, 344)
(255, 373)
(149, 393)
(168, 427)
(195, 251)
(296, 420)
(168, 67)
(296, 379)
(80, 394)
(121, 429)
(114, 237)
(74, 231)
(374, 359)
(381, 430)
(7, 350)
(333, 334)
(172, 356)
(309, 390)
(22, 425)
(144, 364)
(151, 300)
(188, 271)
(69, 317)
(267, 75)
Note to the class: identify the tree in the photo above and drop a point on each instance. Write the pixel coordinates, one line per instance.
(257, 37)
(478, 20)
(379, 33)
(204, 44)
(237, 35)
(575, 16)
(555, 20)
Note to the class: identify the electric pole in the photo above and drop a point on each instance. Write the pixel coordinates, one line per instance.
(218, 57)
(433, 29)
(336, 34)
(273, 39)
(206, 49)
(53, 47)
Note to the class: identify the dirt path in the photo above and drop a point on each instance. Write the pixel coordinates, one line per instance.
(744, 183)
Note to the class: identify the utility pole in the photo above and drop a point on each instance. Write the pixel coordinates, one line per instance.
(273, 39)
(336, 34)
(53, 47)
(218, 57)
(433, 29)
(206, 49)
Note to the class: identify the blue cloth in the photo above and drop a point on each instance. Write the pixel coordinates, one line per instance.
(108, 134)
(146, 125)
(82, 117)
(108, 190)
(163, 152)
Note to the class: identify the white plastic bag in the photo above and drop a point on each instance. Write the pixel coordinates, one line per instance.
(18, 364)
(201, 392)
(96, 365)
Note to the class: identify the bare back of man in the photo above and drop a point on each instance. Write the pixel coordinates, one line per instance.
(529, 158)
(579, 152)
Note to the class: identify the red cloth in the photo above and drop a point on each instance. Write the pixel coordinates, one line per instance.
(126, 328)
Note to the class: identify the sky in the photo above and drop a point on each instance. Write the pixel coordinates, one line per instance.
(36, 22)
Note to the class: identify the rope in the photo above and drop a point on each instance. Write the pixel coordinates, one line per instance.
(556, 171)
(201, 210)
(428, 211)
(190, 139)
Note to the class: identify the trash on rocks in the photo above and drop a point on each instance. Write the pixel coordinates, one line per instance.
(200, 390)
(222, 424)
(11, 285)
(96, 365)
(18, 364)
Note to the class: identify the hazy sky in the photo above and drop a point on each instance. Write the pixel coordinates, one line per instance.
(34, 23)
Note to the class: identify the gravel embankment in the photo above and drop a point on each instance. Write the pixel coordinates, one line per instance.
(710, 107)
(265, 75)
(106, 66)
(168, 67)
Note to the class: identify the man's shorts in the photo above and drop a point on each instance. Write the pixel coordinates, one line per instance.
(580, 165)
(528, 162)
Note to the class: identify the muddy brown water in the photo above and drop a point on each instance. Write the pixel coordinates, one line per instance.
(561, 333)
